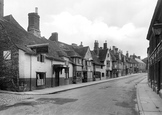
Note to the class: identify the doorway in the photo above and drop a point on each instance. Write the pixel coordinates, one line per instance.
(57, 78)
(159, 75)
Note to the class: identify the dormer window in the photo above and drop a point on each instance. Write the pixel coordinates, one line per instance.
(41, 58)
(39, 48)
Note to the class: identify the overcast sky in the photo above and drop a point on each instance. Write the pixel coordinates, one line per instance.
(122, 23)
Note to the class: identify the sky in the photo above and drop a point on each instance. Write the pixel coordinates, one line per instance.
(120, 23)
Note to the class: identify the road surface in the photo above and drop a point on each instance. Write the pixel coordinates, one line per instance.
(116, 97)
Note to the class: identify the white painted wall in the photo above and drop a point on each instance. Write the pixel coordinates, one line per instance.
(24, 65)
(28, 66)
(70, 70)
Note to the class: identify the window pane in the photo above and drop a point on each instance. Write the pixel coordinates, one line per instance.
(7, 55)
(40, 79)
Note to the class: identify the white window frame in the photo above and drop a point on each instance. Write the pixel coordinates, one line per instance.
(41, 58)
(7, 55)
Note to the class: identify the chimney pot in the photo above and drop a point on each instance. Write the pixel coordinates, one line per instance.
(36, 10)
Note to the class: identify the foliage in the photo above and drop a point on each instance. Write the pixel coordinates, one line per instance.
(8, 77)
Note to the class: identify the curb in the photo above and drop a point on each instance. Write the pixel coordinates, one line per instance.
(69, 88)
(139, 105)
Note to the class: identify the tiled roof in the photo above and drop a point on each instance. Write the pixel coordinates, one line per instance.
(128, 60)
(72, 53)
(21, 38)
(133, 61)
(102, 54)
(96, 61)
(139, 60)
(112, 56)
(68, 49)
(81, 50)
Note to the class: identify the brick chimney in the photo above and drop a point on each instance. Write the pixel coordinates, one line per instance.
(115, 50)
(127, 54)
(105, 45)
(33, 23)
(96, 47)
(54, 37)
(81, 44)
(1, 8)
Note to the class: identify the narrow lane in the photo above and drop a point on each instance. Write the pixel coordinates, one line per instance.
(111, 98)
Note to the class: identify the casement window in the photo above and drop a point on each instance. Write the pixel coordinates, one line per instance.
(7, 55)
(108, 55)
(88, 63)
(79, 61)
(108, 63)
(41, 58)
(79, 74)
(40, 78)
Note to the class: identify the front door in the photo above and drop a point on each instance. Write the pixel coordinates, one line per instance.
(57, 77)
(84, 77)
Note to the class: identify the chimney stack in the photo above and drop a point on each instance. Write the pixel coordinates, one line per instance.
(127, 54)
(81, 44)
(96, 47)
(33, 22)
(36, 10)
(105, 45)
(1, 8)
(54, 37)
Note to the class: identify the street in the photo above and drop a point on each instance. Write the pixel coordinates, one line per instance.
(116, 97)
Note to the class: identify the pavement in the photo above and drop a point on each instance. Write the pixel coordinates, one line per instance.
(54, 90)
(149, 103)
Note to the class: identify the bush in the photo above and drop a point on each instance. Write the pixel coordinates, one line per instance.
(7, 83)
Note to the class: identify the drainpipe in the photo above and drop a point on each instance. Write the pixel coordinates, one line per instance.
(30, 71)
(51, 74)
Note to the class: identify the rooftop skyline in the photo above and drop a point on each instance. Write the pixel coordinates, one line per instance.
(122, 23)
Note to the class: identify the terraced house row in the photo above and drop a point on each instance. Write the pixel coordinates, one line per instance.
(29, 61)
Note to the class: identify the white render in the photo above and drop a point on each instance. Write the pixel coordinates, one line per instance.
(28, 66)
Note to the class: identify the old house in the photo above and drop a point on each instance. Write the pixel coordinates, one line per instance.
(97, 66)
(104, 56)
(75, 59)
(114, 64)
(34, 61)
(118, 56)
(141, 65)
(87, 67)
(106, 59)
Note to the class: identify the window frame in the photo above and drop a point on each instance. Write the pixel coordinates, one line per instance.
(8, 53)
(44, 79)
(41, 58)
